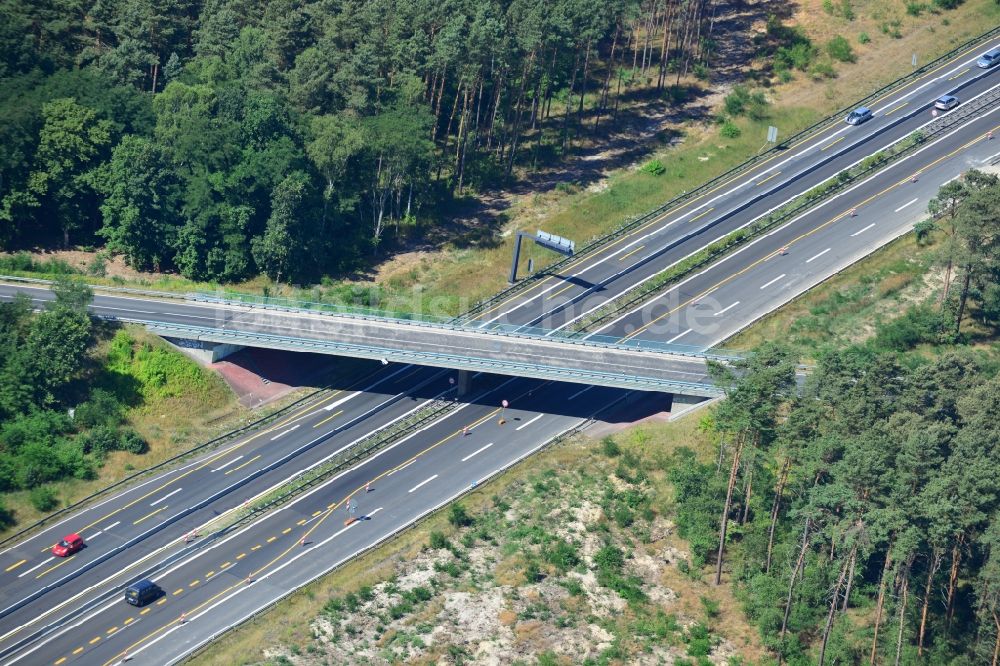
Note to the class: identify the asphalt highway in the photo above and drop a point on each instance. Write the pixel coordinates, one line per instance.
(547, 411)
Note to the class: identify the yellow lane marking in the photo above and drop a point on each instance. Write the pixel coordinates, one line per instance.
(112, 630)
(895, 109)
(301, 522)
(78, 650)
(702, 214)
(207, 462)
(761, 182)
(53, 568)
(286, 530)
(566, 288)
(225, 564)
(241, 556)
(329, 418)
(209, 574)
(149, 515)
(236, 469)
(271, 539)
(59, 660)
(95, 639)
(257, 547)
(626, 256)
(193, 583)
(161, 601)
(952, 78)
(833, 143)
(288, 550)
(839, 216)
(129, 620)
(144, 611)
(15, 565)
(179, 590)
(316, 513)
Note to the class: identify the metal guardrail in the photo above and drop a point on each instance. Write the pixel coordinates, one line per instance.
(263, 610)
(621, 380)
(501, 330)
(631, 224)
(798, 206)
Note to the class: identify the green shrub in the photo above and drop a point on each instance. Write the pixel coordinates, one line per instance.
(822, 70)
(43, 498)
(919, 324)
(730, 130)
(609, 447)
(654, 167)
(846, 10)
(562, 555)
(828, 7)
(840, 49)
(131, 442)
(6, 517)
(458, 516)
(438, 540)
(863, 38)
(102, 409)
(915, 8)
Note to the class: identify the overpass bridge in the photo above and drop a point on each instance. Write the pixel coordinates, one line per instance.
(249, 321)
(216, 325)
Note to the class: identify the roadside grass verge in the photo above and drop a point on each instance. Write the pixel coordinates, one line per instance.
(169, 399)
(636, 504)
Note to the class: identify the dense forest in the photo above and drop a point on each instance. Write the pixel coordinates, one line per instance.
(859, 518)
(229, 138)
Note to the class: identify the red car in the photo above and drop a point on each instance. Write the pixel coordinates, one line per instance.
(69, 545)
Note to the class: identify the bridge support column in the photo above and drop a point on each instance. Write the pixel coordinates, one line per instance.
(464, 382)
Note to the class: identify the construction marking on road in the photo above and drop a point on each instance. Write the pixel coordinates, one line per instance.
(52, 568)
(833, 143)
(908, 203)
(803, 235)
(424, 482)
(285, 432)
(702, 214)
(895, 109)
(861, 231)
(817, 256)
(150, 515)
(227, 464)
(761, 182)
(566, 288)
(525, 425)
(329, 418)
(769, 283)
(173, 492)
(477, 451)
(236, 469)
(629, 254)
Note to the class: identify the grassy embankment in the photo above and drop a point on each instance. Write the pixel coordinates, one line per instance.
(534, 569)
(882, 36)
(171, 401)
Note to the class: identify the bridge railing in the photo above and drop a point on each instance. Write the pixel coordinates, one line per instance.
(457, 361)
(495, 328)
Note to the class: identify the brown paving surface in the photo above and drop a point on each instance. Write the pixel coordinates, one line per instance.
(258, 376)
